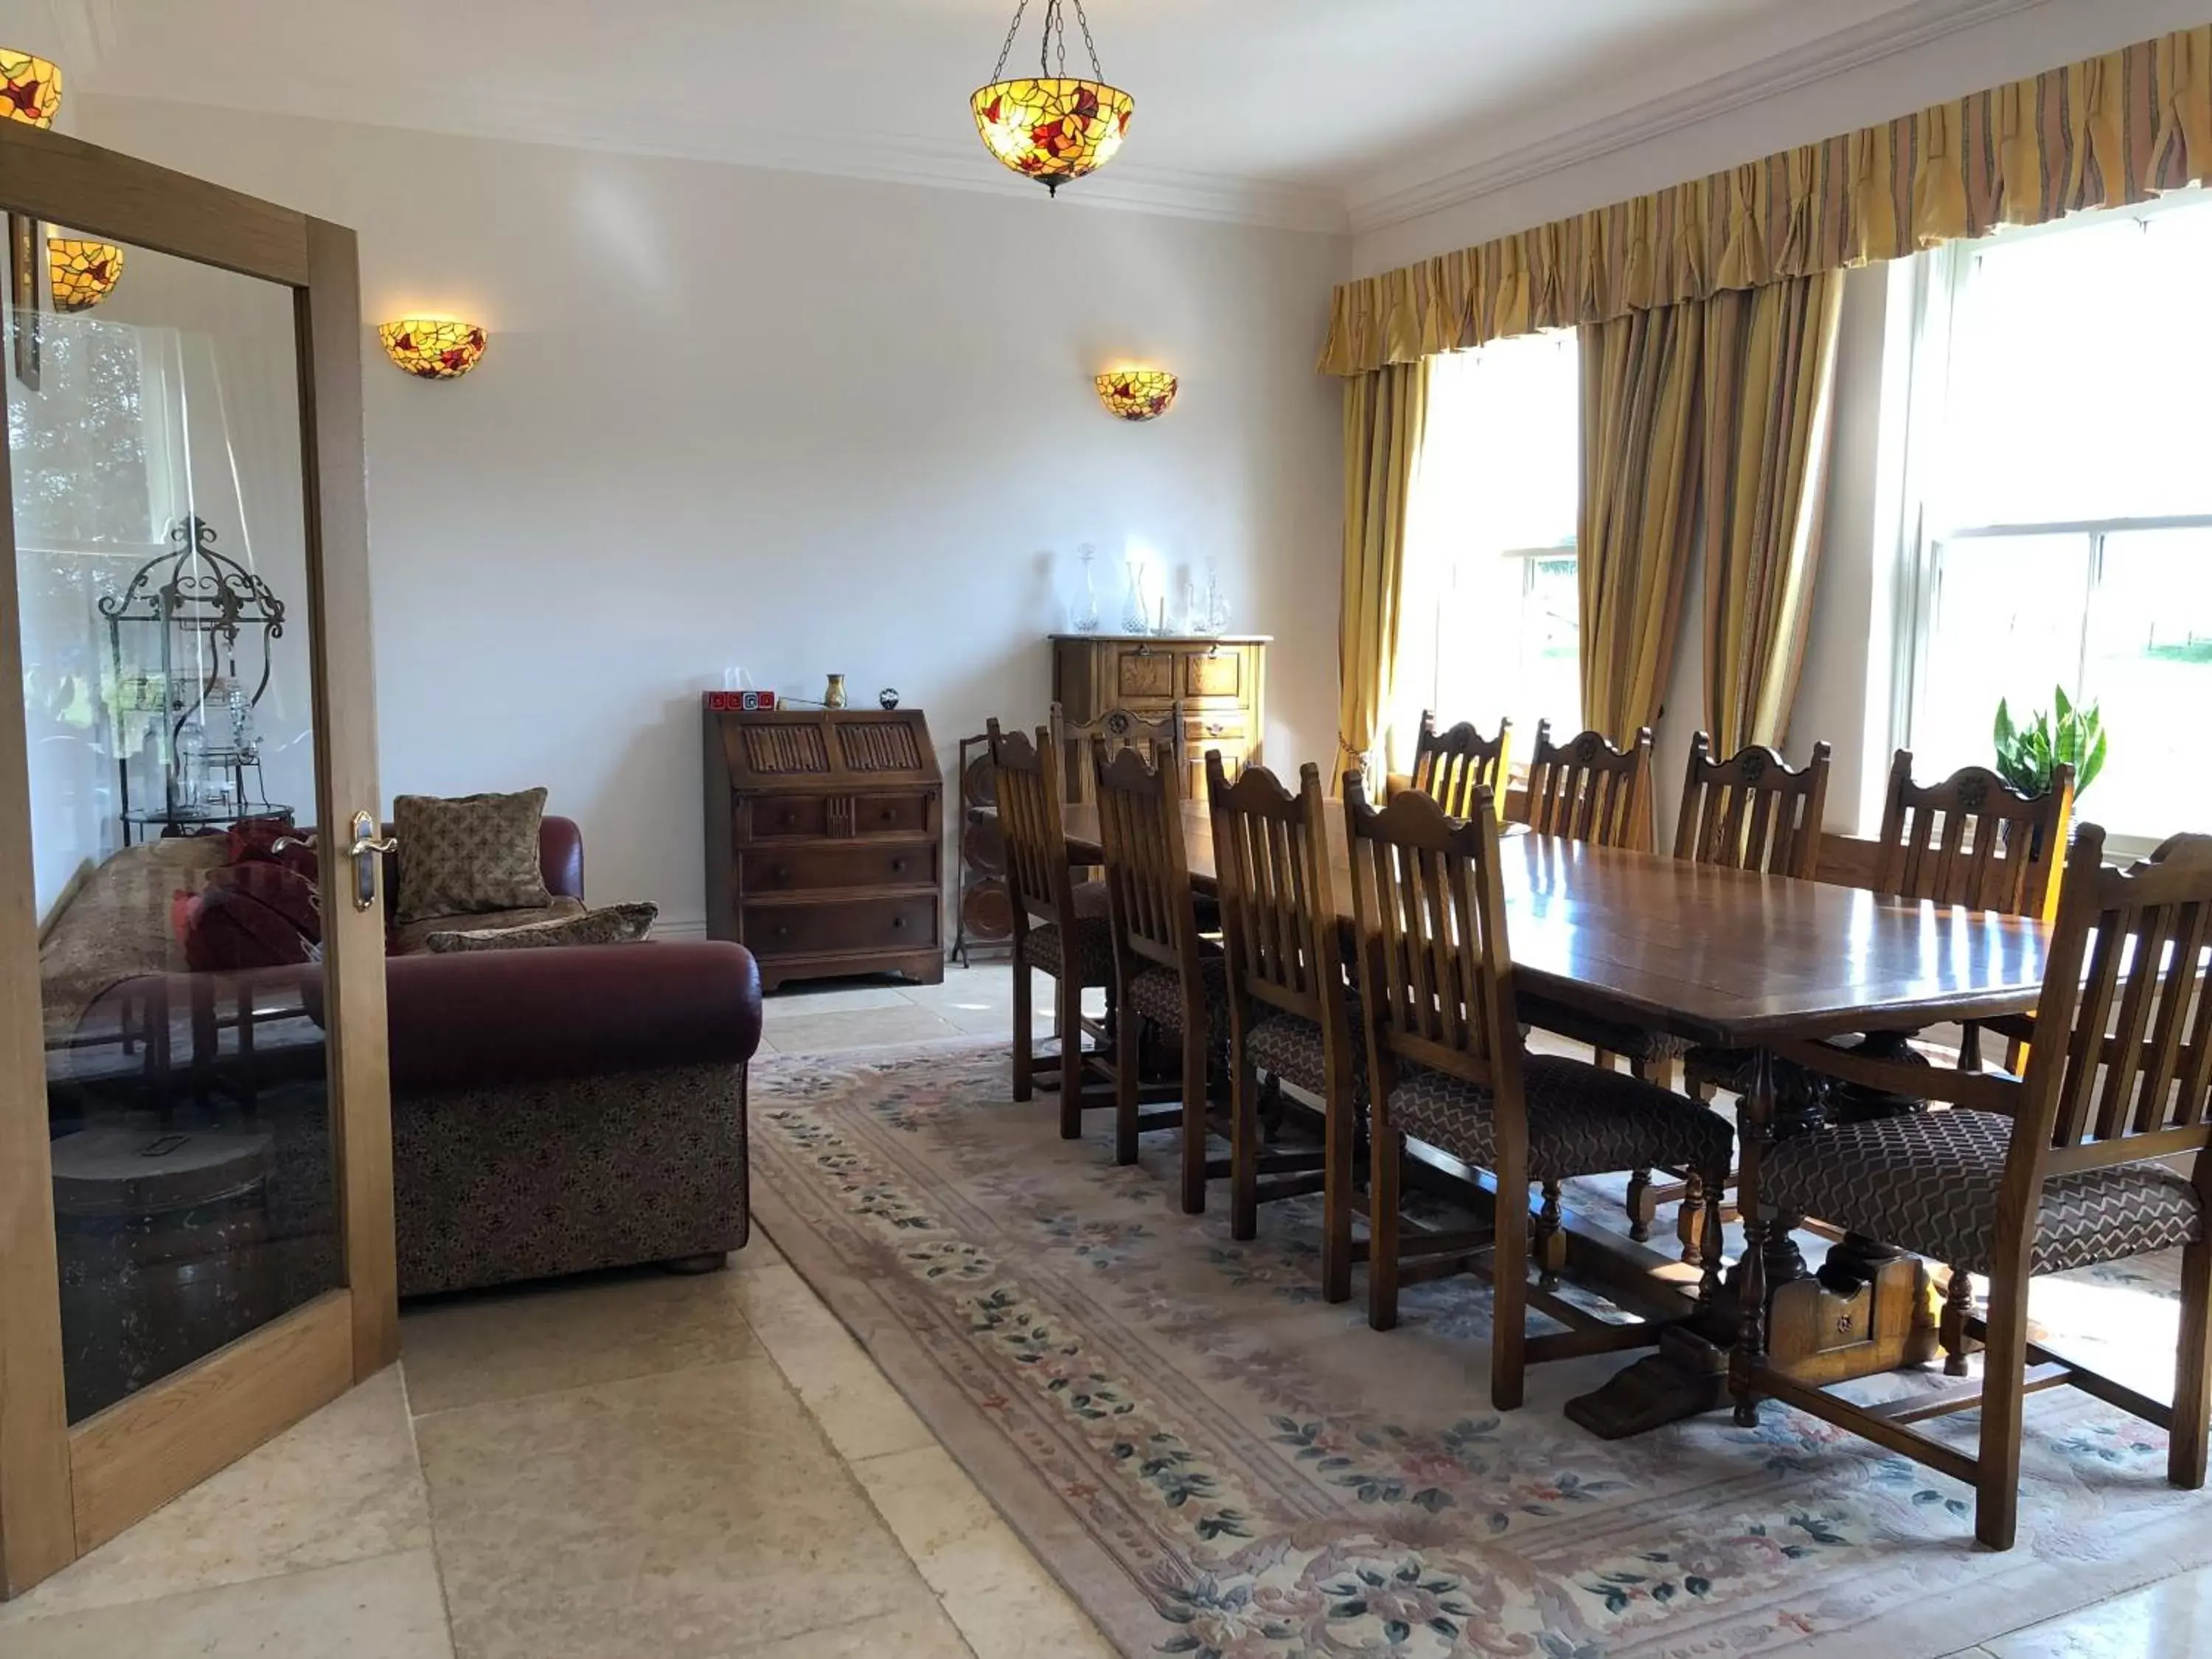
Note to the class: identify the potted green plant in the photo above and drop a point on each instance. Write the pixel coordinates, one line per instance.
(2067, 733)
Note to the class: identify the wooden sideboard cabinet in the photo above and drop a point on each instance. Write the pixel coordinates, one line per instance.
(1221, 684)
(825, 841)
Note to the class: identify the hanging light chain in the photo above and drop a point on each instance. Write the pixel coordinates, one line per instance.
(1007, 49)
(1055, 32)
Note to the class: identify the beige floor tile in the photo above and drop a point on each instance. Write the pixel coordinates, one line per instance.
(856, 1404)
(2163, 1620)
(834, 1033)
(1002, 1599)
(534, 1340)
(760, 1251)
(798, 1002)
(386, 1608)
(343, 1486)
(671, 1517)
(782, 1309)
(924, 1633)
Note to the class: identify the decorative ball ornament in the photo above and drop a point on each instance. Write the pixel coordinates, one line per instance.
(81, 274)
(433, 347)
(1137, 394)
(1052, 126)
(30, 89)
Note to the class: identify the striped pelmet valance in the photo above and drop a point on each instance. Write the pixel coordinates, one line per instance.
(2109, 132)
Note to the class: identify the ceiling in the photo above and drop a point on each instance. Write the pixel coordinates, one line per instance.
(1286, 111)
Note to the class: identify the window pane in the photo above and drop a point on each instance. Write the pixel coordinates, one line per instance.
(2008, 621)
(1551, 652)
(2078, 363)
(2150, 671)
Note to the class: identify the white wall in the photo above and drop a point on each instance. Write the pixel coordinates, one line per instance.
(733, 416)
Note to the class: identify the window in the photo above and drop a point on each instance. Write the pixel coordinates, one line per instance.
(1493, 620)
(2067, 517)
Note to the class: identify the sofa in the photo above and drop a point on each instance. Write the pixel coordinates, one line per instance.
(553, 1110)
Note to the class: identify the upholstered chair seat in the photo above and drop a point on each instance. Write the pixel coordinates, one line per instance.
(1156, 993)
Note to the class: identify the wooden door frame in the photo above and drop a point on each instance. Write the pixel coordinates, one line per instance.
(64, 1490)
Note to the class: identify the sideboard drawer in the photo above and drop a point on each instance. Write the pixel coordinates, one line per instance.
(890, 815)
(860, 924)
(1143, 672)
(781, 818)
(829, 868)
(1214, 674)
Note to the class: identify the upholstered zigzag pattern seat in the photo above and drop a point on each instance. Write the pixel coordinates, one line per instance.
(1156, 993)
(1094, 940)
(1582, 1122)
(1289, 1046)
(1928, 1183)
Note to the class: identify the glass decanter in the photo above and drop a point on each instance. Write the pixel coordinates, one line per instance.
(1136, 615)
(1085, 619)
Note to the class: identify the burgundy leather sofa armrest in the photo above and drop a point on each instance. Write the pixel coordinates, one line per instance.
(561, 856)
(480, 1018)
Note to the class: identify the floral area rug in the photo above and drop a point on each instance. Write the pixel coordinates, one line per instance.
(1216, 1462)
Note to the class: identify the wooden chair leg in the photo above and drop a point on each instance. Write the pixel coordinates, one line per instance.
(1024, 1031)
(1542, 1241)
(1709, 1238)
(1193, 1136)
(1951, 1326)
(1509, 1317)
(2193, 1374)
(1690, 1219)
(1244, 1149)
(1339, 1135)
(2004, 1378)
(1069, 1001)
(1751, 1321)
(1641, 1211)
(1125, 1071)
(1384, 1156)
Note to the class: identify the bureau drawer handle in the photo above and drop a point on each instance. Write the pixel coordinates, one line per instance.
(898, 866)
(888, 814)
(780, 875)
(783, 930)
(1144, 651)
(1216, 730)
(897, 922)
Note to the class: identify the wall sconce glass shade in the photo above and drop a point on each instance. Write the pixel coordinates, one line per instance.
(81, 273)
(30, 87)
(1137, 394)
(433, 347)
(1053, 131)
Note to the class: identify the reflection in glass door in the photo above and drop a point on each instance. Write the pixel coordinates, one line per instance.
(161, 574)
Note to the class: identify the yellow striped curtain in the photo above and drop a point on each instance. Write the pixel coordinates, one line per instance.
(1385, 417)
(2115, 131)
(1769, 392)
(1640, 445)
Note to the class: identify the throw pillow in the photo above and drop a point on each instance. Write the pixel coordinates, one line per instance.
(467, 855)
(283, 889)
(228, 930)
(619, 924)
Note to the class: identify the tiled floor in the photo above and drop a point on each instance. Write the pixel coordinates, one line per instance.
(684, 1469)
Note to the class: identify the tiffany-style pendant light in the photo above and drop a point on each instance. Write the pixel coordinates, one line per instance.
(81, 274)
(1050, 126)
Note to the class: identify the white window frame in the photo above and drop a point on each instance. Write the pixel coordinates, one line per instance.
(1942, 282)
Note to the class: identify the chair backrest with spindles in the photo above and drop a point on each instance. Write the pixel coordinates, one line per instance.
(1587, 790)
(1449, 766)
(1148, 893)
(1751, 811)
(1278, 909)
(1974, 840)
(1078, 746)
(1435, 980)
(2122, 1066)
(1028, 794)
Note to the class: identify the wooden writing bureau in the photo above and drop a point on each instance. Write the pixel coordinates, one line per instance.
(825, 841)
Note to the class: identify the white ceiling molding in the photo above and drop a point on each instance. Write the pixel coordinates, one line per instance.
(1393, 199)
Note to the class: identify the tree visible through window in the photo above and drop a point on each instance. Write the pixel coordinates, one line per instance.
(1492, 620)
(2068, 503)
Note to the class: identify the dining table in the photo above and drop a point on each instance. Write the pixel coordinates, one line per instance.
(1727, 959)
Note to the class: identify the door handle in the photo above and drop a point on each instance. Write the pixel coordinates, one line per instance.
(367, 852)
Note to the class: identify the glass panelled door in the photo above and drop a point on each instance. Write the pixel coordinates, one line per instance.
(204, 1085)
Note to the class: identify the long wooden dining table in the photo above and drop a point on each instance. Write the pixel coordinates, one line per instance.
(1732, 960)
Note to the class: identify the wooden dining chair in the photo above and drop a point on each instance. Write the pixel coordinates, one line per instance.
(1164, 971)
(1449, 766)
(1974, 840)
(1448, 1067)
(1586, 789)
(1078, 746)
(2096, 1154)
(1289, 1013)
(1060, 927)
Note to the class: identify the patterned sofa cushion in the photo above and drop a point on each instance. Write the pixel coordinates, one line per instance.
(618, 924)
(413, 937)
(468, 854)
(1928, 1183)
(1582, 1122)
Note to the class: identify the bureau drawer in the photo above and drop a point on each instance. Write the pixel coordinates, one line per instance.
(890, 815)
(833, 865)
(1215, 674)
(1210, 729)
(892, 924)
(781, 818)
(1142, 672)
